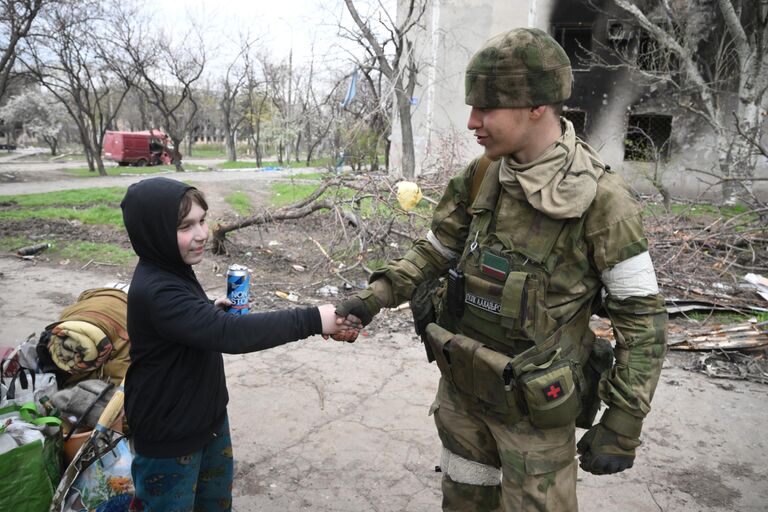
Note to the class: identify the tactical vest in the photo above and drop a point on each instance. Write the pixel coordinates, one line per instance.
(507, 261)
(505, 348)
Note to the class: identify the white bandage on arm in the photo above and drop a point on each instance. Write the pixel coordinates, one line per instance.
(633, 277)
(465, 471)
(439, 247)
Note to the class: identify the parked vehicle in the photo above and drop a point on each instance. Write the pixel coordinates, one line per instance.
(151, 147)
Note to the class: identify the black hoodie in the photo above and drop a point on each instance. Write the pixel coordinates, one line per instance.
(175, 389)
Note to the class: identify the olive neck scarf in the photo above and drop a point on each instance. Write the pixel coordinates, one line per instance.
(562, 182)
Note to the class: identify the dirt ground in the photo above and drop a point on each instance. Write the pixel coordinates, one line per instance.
(325, 426)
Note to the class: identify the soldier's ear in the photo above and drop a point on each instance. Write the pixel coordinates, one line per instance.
(537, 112)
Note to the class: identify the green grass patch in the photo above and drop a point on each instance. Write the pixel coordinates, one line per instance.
(724, 317)
(316, 162)
(239, 164)
(240, 202)
(284, 194)
(78, 251)
(317, 176)
(207, 151)
(84, 172)
(102, 253)
(251, 164)
(699, 210)
(100, 214)
(14, 243)
(68, 197)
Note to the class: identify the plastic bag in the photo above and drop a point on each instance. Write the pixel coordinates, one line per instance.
(27, 386)
(29, 473)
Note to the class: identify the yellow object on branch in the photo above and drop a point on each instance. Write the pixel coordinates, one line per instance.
(408, 195)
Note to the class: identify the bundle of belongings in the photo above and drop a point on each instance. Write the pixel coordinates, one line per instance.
(89, 340)
(81, 362)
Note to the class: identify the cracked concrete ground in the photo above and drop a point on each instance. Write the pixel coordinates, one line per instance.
(332, 427)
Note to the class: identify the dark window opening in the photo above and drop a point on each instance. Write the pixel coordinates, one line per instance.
(648, 137)
(651, 56)
(619, 33)
(577, 43)
(579, 120)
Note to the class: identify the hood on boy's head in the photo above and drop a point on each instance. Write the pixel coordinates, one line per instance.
(151, 214)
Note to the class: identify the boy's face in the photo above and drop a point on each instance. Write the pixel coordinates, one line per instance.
(192, 234)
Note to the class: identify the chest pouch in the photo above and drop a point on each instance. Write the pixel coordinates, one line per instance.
(552, 391)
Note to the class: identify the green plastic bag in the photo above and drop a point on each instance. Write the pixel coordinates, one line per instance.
(30, 473)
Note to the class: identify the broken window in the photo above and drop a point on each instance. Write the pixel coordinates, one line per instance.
(619, 33)
(576, 40)
(579, 120)
(652, 57)
(648, 137)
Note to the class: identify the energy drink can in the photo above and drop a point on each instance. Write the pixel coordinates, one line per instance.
(238, 283)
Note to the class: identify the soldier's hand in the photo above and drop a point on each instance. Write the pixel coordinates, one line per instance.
(604, 452)
(357, 307)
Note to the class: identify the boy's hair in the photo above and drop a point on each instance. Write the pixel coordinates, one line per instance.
(192, 195)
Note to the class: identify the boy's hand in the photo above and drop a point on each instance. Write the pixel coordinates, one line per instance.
(349, 328)
(222, 302)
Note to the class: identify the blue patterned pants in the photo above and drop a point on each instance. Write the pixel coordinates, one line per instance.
(198, 482)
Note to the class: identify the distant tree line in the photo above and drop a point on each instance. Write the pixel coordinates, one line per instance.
(82, 67)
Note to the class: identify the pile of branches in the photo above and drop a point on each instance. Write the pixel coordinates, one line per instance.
(367, 225)
(704, 258)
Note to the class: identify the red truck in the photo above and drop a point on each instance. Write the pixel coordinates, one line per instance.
(151, 147)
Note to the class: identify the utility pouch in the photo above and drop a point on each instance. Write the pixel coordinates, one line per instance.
(600, 360)
(438, 340)
(495, 383)
(456, 293)
(551, 392)
(461, 353)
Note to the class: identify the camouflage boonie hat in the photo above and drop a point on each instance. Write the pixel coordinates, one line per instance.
(524, 67)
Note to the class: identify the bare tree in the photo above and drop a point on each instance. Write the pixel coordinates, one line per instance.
(716, 62)
(16, 20)
(232, 108)
(398, 65)
(74, 57)
(280, 86)
(167, 72)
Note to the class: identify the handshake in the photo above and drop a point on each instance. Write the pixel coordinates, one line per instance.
(343, 322)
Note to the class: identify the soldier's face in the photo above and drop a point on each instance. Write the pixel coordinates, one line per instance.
(501, 131)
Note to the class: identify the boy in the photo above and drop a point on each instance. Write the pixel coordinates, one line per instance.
(175, 390)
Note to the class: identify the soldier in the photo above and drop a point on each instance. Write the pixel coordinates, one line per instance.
(525, 244)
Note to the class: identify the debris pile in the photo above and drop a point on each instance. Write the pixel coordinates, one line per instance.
(702, 260)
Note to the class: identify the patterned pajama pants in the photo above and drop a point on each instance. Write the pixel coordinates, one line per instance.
(198, 482)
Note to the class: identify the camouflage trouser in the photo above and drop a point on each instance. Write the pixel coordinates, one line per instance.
(538, 467)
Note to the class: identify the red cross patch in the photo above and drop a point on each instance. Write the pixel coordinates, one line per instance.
(552, 391)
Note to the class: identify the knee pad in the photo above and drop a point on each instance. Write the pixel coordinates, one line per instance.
(465, 471)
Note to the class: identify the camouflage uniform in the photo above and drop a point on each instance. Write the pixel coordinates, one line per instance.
(515, 360)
